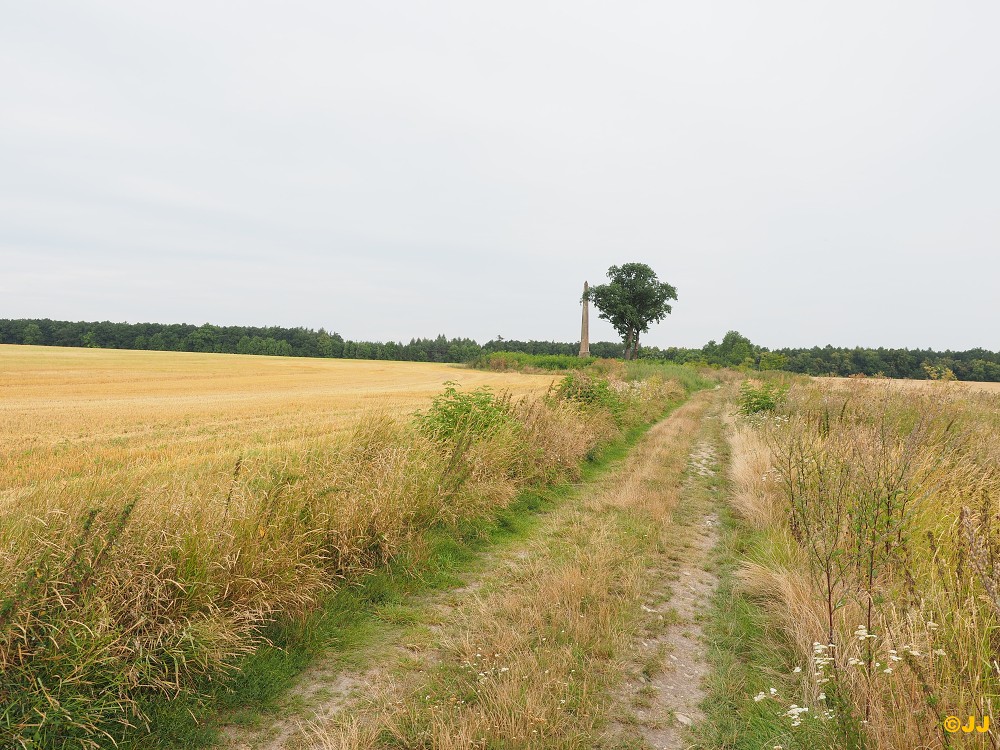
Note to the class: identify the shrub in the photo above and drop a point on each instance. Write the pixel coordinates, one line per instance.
(687, 375)
(590, 391)
(454, 414)
(757, 397)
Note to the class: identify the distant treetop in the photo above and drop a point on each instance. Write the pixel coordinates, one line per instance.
(632, 300)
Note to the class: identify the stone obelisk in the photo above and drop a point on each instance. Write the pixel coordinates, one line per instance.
(585, 326)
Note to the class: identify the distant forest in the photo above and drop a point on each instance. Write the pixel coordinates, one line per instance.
(734, 350)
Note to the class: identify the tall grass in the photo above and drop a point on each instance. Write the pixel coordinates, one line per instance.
(151, 587)
(879, 507)
(692, 378)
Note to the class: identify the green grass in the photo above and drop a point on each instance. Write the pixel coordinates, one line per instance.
(521, 361)
(689, 376)
(355, 618)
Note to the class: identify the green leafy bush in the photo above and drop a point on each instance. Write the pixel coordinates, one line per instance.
(592, 392)
(757, 397)
(454, 415)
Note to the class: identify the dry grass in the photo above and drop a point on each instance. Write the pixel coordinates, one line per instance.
(755, 495)
(882, 544)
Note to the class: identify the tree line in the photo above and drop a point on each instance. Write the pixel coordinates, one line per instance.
(269, 340)
(735, 350)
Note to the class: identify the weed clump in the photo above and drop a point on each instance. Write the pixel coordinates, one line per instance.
(455, 415)
(758, 397)
(591, 392)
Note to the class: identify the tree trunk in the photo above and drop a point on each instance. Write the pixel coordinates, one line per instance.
(628, 345)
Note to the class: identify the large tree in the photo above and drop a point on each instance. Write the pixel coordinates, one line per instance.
(632, 299)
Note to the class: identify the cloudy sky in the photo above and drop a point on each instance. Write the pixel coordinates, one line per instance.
(804, 172)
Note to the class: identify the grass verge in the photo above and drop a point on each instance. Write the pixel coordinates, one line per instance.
(874, 548)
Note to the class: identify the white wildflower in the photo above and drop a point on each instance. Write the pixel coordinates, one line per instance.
(795, 712)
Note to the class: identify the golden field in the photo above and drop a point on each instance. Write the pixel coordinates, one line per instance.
(104, 416)
(958, 385)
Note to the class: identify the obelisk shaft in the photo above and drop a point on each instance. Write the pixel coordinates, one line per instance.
(585, 326)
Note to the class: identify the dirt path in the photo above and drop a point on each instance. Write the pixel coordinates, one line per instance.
(574, 637)
(320, 693)
(662, 695)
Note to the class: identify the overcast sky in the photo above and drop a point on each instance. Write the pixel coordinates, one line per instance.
(803, 172)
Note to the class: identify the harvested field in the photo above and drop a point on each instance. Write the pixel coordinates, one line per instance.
(71, 414)
(971, 385)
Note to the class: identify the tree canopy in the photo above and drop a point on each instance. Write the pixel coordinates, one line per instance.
(632, 300)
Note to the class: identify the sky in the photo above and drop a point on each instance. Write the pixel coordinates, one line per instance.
(803, 172)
